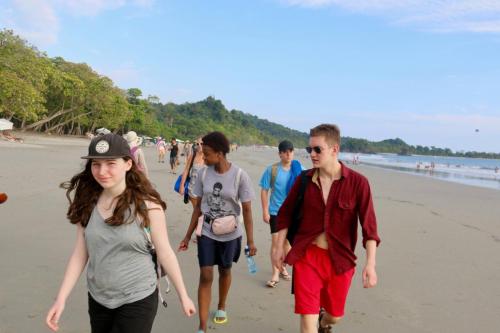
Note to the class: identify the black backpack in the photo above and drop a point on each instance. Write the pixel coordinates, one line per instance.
(298, 212)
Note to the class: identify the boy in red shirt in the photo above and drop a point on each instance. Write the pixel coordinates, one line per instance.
(322, 253)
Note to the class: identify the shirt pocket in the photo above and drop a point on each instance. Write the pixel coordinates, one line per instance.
(346, 210)
(346, 204)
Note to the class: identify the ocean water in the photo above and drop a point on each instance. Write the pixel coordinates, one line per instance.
(470, 171)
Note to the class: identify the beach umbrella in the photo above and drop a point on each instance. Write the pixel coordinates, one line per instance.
(5, 124)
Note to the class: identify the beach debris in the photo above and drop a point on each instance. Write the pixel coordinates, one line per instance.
(6, 124)
(102, 131)
(7, 136)
(3, 197)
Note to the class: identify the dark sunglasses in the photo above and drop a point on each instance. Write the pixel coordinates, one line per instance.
(317, 149)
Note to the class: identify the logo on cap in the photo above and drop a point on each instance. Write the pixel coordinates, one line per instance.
(102, 147)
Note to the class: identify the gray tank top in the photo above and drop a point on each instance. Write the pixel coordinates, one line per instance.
(120, 269)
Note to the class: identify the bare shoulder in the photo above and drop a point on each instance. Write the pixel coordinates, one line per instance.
(153, 205)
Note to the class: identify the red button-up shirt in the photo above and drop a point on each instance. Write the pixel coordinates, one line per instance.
(349, 199)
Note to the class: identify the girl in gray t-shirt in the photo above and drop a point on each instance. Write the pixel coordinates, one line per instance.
(220, 189)
(113, 203)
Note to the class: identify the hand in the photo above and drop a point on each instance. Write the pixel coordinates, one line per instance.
(278, 257)
(188, 307)
(54, 314)
(252, 249)
(266, 217)
(184, 245)
(181, 189)
(369, 276)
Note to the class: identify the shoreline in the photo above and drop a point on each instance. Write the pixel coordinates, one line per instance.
(42, 140)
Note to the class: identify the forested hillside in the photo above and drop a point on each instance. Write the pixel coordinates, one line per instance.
(53, 95)
(56, 96)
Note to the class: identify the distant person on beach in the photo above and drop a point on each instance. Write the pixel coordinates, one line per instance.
(278, 179)
(117, 211)
(137, 154)
(161, 147)
(324, 238)
(221, 187)
(193, 165)
(174, 154)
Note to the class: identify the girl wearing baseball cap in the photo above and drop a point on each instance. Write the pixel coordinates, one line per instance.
(111, 204)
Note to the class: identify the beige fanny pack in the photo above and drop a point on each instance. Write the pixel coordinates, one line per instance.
(220, 225)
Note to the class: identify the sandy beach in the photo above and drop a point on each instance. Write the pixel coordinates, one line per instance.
(438, 263)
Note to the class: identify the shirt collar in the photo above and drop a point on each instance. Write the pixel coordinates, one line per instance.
(314, 173)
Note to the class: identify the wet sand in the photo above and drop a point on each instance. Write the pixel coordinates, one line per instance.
(438, 263)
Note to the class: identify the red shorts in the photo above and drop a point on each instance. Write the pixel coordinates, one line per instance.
(317, 286)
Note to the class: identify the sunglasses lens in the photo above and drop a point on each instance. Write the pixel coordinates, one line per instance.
(317, 150)
(309, 150)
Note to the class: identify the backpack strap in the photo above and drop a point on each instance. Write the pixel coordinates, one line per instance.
(159, 271)
(237, 183)
(298, 212)
(274, 173)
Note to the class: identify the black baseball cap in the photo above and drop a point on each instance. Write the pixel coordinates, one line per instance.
(285, 145)
(108, 146)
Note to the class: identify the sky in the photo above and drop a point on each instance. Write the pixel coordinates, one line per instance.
(426, 71)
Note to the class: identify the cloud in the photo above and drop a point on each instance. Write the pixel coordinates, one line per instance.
(432, 15)
(95, 7)
(39, 20)
(34, 20)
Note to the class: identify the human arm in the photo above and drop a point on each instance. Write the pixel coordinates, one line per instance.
(264, 200)
(185, 174)
(166, 256)
(366, 213)
(184, 245)
(74, 269)
(248, 222)
(142, 162)
(278, 251)
(369, 272)
(369, 231)
(265, 185)
(284, 222)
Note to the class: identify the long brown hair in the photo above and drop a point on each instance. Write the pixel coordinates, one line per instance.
(87, 191)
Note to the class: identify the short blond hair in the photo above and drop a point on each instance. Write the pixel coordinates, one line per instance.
(331, 132)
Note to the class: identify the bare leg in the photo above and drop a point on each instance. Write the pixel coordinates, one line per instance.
(287, 248)
(308, 323)
(224, 285)
(205, 295)
(329, 320)
(276, 272)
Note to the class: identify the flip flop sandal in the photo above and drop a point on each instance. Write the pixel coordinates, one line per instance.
(323, 329)
(286, 276)
(272, 283)
(220, 314)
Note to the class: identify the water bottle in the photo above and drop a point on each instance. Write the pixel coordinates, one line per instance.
(252, 267)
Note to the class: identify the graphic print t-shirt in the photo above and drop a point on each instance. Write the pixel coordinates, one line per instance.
(219, 197)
